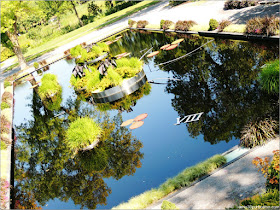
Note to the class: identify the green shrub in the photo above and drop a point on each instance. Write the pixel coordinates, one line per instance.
(7, 84)
(213, 24)
(258, 133)
(105, 83)
(235, 4)
(50, 87)
(78, 50)
(81, 133)
(184, 25)
(93, 9)
(120, 6)
(5, 105)
(3, 145)
(6, 53)
(175, 3)
(36, 65)
(183, 179)
(269, 77)
(142, 23)
(168, 205)
(270, 198)
(93, 79)
(104, 47)
(131, 23)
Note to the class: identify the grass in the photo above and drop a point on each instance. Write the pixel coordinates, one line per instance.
(99, 23)
(269, 77)
(183, 179)
(239, 28)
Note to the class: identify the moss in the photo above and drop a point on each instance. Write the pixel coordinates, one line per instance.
(81, 133)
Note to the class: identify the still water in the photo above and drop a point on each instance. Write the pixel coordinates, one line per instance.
(219, 80)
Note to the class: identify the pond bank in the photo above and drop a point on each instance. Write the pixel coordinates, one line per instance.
(226, 186)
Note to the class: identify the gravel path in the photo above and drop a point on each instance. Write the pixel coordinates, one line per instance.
(225, 187)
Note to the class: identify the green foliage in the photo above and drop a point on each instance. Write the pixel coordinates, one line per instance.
(36, 65)
(185, 178)
(78, 50)
(168, 205)
(238, 4)
(104, 47)
(184, 25)
(5, 105)
(175, 3)
(114, 77)
(120, 6)
(7, 83)
(6, 53)
(93, 9)
(94, 160)
(93, 79)
(50, 86)
(269, 77)
(81, 133)
(133, 62)
(3, 145)
(131, 23)
(213, 24)
(258, 133)
(270, 198)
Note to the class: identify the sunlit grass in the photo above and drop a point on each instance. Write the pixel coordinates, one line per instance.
(183, 179)
(239, 28)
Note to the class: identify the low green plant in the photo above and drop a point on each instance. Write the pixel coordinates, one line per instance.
(81, 133)
(3, 145)
(5, 105)
(270, 198)
(213, 24)
(7, 84)
(50, 87)
(36, 65)
(93, 80)
(269, 77)
(168, 205)
(165, 24)
(183, 179)
(258, 133)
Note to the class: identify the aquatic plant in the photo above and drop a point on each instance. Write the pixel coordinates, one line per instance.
(50, 86)
(81, 133)
(269, 77)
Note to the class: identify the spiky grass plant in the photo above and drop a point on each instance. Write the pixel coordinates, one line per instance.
(269, 77)
(185, 178)
(258, 133)
(81, 133)
(50, 86)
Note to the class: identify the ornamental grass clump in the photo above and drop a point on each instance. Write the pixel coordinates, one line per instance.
(269, 77)
(213, 24)
(81, 133)
(50, 87)
(131, 23)
(183, 179)
(184, 25)
(142, 23)
(223, 24)
(258, 133)
(165, 24)
(268, 25)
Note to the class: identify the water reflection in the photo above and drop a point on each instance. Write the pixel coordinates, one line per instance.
(45, 169)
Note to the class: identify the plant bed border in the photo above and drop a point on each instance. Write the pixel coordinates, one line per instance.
(216, 34)
(128, 86)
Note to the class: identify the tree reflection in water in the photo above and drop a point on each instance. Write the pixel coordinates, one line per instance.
(45, 169)
(221, 80)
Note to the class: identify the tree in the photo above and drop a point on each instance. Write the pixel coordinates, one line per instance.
(11, 12)
(53, 8)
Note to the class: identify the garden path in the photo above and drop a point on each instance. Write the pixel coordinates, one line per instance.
(226, 186)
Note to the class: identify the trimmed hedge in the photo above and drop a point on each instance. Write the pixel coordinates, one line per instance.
(183, 179)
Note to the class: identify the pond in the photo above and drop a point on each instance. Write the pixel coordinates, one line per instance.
(220, 80)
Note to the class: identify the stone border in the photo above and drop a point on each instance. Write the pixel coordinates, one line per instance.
(216, 34)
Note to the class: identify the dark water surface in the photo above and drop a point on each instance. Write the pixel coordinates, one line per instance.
(219, 80)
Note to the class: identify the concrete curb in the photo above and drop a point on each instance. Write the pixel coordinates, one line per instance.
(216, 34)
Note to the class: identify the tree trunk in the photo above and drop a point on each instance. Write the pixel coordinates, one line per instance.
(80, 21)
(16, 48)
